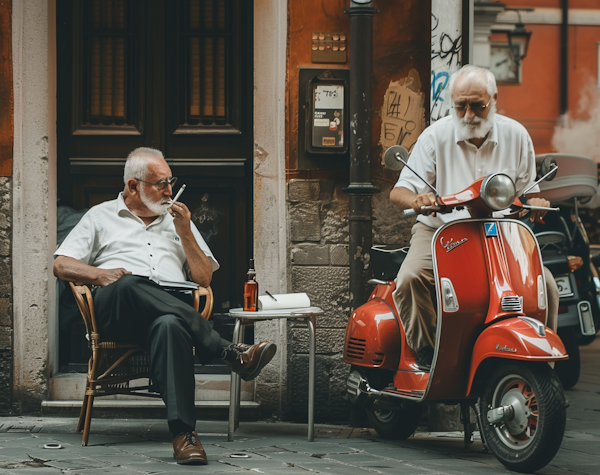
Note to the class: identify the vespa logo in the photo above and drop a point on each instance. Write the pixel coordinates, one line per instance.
(491, 230)
(505, 348)
(450, 245)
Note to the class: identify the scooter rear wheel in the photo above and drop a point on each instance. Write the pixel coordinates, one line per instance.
(529, 439)
(398, 423)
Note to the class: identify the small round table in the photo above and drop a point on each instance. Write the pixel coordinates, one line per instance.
(308, 315)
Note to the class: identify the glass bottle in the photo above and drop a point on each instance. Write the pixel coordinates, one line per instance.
(251, 290)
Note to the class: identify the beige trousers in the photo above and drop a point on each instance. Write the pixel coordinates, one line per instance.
(415, 291)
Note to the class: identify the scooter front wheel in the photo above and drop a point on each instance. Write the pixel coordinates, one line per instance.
(397, 423)
(523, 415)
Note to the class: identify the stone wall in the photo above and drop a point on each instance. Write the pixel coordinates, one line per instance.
(6, 322)
(319, 266)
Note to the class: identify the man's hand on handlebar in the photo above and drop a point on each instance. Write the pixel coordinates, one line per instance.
(537, 215)
(426, 199)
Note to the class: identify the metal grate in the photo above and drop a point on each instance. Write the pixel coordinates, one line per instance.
(356, 348)
(512, 304)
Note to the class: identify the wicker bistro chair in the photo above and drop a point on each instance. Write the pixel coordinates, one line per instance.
(114, 364)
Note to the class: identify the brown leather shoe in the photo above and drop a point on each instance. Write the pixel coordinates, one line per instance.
(188, 450)
(248, 361)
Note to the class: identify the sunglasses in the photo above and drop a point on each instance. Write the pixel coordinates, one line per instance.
(161, 184)
(476, 107)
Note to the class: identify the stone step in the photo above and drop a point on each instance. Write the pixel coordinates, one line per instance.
(209, 387)
(148, 408)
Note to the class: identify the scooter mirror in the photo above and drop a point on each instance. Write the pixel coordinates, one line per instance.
(392, 157)
(546, 166)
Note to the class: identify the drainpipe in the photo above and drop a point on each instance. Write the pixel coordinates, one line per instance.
(564, 58)
(360, 189)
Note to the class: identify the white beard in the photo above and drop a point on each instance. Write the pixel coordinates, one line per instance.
(158, 207)
(476, 127)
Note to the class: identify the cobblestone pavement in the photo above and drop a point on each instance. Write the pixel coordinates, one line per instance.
(144, 446)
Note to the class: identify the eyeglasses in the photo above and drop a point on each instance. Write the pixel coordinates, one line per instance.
(161, 184)
(476, 107)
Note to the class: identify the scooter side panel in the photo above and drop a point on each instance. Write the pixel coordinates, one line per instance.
(515, 339)
(373, 336)
(522, 257)
(459, 256)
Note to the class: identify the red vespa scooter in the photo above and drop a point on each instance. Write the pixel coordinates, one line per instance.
(492, 346)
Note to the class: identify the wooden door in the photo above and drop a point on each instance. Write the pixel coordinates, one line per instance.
(170, 74)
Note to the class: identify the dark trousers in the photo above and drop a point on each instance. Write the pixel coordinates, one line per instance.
(135, 309)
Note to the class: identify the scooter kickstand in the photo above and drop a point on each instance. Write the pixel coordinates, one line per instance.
(479, 424)
(465, 411)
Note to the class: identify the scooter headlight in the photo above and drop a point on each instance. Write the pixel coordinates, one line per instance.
(498, 191)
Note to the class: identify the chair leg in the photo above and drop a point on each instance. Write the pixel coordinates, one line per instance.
(88, 420)
(84, 405)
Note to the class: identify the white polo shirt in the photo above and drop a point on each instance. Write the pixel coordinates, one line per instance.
(451, 165)
(109, 236)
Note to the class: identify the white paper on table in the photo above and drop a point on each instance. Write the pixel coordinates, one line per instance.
(284, 301)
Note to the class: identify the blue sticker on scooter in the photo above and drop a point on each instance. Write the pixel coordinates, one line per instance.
(490, 230)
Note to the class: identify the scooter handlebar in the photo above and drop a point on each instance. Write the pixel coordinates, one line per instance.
(542, 208)
(410, 213)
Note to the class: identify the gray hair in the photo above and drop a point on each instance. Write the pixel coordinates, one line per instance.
(475, 73)
(136, 164)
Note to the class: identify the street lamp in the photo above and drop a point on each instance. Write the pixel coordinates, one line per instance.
(518, 38)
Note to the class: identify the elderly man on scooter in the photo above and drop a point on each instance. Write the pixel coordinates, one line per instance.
(472, 142)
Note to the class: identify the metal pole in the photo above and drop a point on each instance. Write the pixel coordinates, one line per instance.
(235, 384)
(311, 324)
(564, 58)
(360, 189)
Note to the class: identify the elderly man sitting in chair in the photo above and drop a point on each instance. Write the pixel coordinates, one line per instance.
(123, 247)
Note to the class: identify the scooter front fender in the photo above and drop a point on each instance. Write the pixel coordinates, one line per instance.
(515, 338)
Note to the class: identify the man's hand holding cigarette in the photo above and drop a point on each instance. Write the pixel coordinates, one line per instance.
(181, 214)
(181, 217)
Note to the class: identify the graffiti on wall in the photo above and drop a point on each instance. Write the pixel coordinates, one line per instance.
(403, 113)
(446, 53)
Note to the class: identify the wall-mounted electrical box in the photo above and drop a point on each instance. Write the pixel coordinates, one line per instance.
(323, 125)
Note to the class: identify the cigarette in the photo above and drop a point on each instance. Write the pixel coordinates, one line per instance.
(178, 194)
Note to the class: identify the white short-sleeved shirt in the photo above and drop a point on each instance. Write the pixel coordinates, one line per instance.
(110, 236)
(451, 164)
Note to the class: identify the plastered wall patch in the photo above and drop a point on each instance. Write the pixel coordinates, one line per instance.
(403, 112)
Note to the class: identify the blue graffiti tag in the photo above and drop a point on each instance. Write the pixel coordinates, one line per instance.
(437, 87)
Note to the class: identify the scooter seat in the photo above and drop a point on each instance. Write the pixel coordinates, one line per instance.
(386, 261)
(554, 252)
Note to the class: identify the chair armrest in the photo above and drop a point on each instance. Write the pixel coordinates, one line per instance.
(208, 305)
(85, 303)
